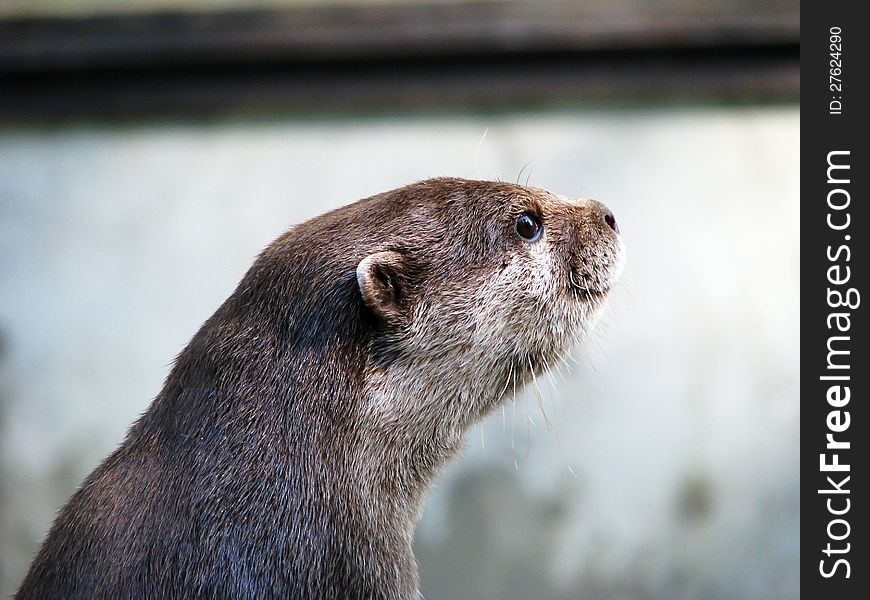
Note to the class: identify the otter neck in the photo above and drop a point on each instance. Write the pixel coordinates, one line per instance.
(416, 416)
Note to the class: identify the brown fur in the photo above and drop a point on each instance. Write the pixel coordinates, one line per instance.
(290, 449)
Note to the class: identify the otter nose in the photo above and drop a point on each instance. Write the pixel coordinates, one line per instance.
(611, 221)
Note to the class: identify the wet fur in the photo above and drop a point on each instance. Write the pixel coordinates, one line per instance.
(291, 446)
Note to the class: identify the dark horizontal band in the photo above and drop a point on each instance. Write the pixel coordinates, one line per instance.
(476, 54)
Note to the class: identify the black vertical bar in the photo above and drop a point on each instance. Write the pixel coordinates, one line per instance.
(834, 224)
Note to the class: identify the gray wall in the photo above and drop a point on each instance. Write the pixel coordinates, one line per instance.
(673, 468)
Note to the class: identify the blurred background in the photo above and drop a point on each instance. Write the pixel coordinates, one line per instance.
(150, 149)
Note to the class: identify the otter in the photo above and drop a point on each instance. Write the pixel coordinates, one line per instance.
(289, 451)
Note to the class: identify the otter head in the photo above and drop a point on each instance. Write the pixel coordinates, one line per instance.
(478, 288)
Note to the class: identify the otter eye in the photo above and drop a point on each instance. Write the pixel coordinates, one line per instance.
(528, 228)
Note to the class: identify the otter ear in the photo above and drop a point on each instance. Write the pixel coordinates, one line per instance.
(380, 277)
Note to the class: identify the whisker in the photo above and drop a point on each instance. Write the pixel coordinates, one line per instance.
(625, 287)
(556, 431)
(539, 396)
(600, 348)
(564, 458)
(501, 395)
(528, 429)
(477, 153)
(557, 368)
(570, 356)
(514, 422)
(571, 277)
(520, 174)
